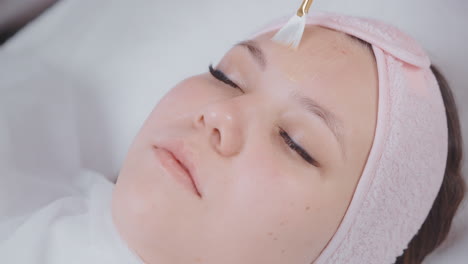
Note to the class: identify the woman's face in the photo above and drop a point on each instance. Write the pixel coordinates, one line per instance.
(262, 198)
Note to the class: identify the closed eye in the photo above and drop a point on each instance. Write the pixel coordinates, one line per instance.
(219, 75)
(298, 149)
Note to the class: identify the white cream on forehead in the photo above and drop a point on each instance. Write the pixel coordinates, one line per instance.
(331, 55)
(305, 71)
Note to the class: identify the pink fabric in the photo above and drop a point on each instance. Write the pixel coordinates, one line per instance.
(406, 164)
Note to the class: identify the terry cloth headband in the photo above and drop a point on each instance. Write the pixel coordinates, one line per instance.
(406, 164)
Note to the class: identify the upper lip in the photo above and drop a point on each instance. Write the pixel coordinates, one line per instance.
(184, 155)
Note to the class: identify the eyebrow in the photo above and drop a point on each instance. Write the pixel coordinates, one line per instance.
(310, 105)
(255, 51)
(328, 117)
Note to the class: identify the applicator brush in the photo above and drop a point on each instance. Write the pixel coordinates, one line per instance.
(291, 34)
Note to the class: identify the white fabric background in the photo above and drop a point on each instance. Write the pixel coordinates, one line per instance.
(115, 59)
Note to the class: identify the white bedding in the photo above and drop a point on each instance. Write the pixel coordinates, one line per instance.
(76, 84)
(74, 227)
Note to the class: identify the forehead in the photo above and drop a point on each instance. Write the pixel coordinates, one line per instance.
(322, 53)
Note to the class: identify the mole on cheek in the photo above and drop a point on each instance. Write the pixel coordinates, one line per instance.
(271, 234)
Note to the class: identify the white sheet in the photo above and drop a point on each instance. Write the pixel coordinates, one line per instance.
(76, 227)
(105, 64)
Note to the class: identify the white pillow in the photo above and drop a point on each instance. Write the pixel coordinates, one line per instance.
(115, 59)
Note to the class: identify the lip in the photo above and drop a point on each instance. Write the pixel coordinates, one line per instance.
(176, 163)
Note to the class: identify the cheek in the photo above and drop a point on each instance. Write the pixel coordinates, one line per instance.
(187, 97)
(286, 208)
(170, 104)
(266, 185)
(273, 184)
(184, 96)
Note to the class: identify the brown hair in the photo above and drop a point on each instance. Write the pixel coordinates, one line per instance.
(437, 225)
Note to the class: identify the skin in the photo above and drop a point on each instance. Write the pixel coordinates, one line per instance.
(261, 201)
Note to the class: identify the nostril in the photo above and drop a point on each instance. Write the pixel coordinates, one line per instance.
(217, 134)
(216, 137)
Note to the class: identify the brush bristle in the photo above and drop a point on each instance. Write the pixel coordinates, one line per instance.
(291, 34)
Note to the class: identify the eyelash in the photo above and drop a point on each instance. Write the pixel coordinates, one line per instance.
(222, 77)
(219, 75)
(297, 148)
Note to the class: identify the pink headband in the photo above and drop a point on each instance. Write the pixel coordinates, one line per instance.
(406, 164)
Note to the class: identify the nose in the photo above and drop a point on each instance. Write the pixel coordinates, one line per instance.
(222, 125)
